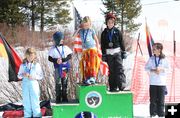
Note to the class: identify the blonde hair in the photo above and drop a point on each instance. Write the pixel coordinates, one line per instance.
(28, 52)
(86, 19)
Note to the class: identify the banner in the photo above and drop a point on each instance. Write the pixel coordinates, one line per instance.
(8, 52)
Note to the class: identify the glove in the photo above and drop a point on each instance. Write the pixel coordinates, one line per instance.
(104, 58)
(123, 55)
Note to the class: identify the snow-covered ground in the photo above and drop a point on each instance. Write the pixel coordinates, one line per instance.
(1, 113)
(141, 111)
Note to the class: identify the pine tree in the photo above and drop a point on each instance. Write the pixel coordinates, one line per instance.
(43, 13)
(51, 12)
(62, 13)
(126, 11)
(11, 12)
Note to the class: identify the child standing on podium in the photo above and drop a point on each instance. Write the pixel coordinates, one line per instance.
(90, 61)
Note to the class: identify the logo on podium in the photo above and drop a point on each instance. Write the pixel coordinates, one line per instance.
(93, 99)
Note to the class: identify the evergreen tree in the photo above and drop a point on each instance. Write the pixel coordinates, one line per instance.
(51, 12)
(11, 12)
(126, 11)
(34, 12)
(62, 13)
(32, 15)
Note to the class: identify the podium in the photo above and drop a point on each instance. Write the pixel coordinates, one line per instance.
(98, 101)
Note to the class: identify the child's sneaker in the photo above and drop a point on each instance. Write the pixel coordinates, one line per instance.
(90, 81)
(86, 82)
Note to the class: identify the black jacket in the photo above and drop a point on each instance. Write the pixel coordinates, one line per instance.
(117, 40)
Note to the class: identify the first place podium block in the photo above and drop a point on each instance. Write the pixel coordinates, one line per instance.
(96, 101)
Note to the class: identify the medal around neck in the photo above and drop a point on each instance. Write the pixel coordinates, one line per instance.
(110, 44)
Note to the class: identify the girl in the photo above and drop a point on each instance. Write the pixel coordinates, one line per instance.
(157, 67)
(30, 72)
(90, 61)
(113, 52)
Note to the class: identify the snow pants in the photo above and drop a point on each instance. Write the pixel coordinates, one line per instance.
(157, 103)
(61, 87)
(117, 78)
(31, 95)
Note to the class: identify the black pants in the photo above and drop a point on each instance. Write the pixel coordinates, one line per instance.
(61, 88)
(117, 78)
(157, 96)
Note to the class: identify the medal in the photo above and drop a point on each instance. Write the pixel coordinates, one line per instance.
(85, 36)
(87, 39)
(110, 35)
(111, 44)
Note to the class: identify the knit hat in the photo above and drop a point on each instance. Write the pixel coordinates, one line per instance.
(57, 37)
(109, 16)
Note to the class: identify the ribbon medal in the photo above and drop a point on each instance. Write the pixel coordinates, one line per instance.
(110, 35)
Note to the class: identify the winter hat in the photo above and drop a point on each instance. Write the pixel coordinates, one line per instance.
(110, 16)
(57, 37)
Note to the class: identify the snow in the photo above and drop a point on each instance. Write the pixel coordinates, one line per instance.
(141, 111)
(1, 113)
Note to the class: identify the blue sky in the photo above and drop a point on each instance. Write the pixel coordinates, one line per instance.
(162, 16)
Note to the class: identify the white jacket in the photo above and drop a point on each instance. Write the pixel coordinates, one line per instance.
(35, 72)
(157, 79)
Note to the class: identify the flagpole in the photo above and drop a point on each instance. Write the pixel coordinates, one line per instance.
(133, 73)
(172, 93)
(174, 59)
(139, 45)
(174, 40)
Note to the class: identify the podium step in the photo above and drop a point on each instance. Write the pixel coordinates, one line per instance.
(96, 100)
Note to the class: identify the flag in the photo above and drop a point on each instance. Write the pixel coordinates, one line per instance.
(77, 44)
(104, 69)
(149, 40)
(77, 18)
(8, 52)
